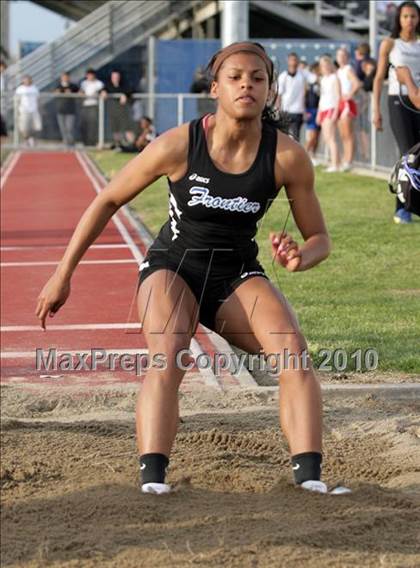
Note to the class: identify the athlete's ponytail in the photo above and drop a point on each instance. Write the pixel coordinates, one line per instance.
(277, 118)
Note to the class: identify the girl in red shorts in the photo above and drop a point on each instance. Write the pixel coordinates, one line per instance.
(328, 109)
(347, 110)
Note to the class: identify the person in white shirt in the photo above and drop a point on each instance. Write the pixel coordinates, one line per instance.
(327, 114)
(90, 87)
(347, 111)
(291, 94)
(29, 118)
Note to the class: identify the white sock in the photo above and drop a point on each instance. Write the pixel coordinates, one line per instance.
(156, 488)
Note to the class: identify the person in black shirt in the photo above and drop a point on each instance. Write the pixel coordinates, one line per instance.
(66, 108)
(118, 108)
(311, 107)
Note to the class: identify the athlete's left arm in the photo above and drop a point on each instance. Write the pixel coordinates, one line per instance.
(294, 170)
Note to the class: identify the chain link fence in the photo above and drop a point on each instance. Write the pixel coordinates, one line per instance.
(62, 120)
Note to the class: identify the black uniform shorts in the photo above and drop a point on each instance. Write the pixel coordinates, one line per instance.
(211, 287)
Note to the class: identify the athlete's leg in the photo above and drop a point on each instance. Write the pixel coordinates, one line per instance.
(345, 125)
(168, 313)
(329, 132)
(258, 315)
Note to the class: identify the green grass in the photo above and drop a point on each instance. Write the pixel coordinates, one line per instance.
(365, 295)
(3, 154)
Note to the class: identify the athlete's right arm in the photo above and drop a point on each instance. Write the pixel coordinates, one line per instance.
(166, 155)
(386, 46)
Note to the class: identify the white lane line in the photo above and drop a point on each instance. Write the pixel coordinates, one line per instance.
(55, 263)
(8, 169)
(358, 387)
(127, 212)
(6, 163)
(60, 247)
(243, 376)
(124, 233)
(31, 354)
(71, 326)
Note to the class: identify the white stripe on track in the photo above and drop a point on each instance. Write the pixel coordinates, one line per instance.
(55, 263)
(118, 223)
(71, 326)
(31, 354)
(61, 247)
(8, 169)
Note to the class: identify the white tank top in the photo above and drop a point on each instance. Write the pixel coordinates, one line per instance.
(405, 53)
(329, 97)
(345, 82)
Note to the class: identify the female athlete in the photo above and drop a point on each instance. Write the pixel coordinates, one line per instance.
(402, 49)
(223, 170)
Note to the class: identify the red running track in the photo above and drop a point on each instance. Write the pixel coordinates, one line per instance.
(43, 197)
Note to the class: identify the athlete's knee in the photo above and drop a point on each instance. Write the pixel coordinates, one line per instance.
(173, 348)
(290, 354)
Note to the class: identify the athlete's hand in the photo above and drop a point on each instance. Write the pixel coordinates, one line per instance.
(53, 295)
(286, 251)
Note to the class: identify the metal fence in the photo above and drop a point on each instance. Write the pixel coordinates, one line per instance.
(375, 150)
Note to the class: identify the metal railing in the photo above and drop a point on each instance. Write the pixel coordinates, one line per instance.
(96, 39)
(374, 150)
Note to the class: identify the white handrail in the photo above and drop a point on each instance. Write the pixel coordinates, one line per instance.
(96, 39)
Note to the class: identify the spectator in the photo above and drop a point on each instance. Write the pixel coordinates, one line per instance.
(146, 134)
(311, 104)
(327, 114)
(66, 108)
(347, 111)
(365, 67)
(361, 54)
(401, 49)
(91, 87)
(201, 85)
(390, 12)
(3, 126)
(29, 118)
(118, 107)
(291, 94)
(304, 68)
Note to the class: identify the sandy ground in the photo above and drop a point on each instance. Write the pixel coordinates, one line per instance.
(70, 495)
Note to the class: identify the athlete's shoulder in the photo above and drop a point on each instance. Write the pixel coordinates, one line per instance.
(172, 143)
(287, 147)
(169, 149)
(292, 160)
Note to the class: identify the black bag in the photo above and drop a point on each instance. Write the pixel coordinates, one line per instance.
(404, 180)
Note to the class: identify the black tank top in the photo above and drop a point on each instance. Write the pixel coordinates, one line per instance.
(210, 209)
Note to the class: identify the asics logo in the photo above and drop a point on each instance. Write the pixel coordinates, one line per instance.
(198, 178)
(245, 274)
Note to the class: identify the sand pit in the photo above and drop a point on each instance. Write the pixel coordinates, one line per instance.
(70, 497)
